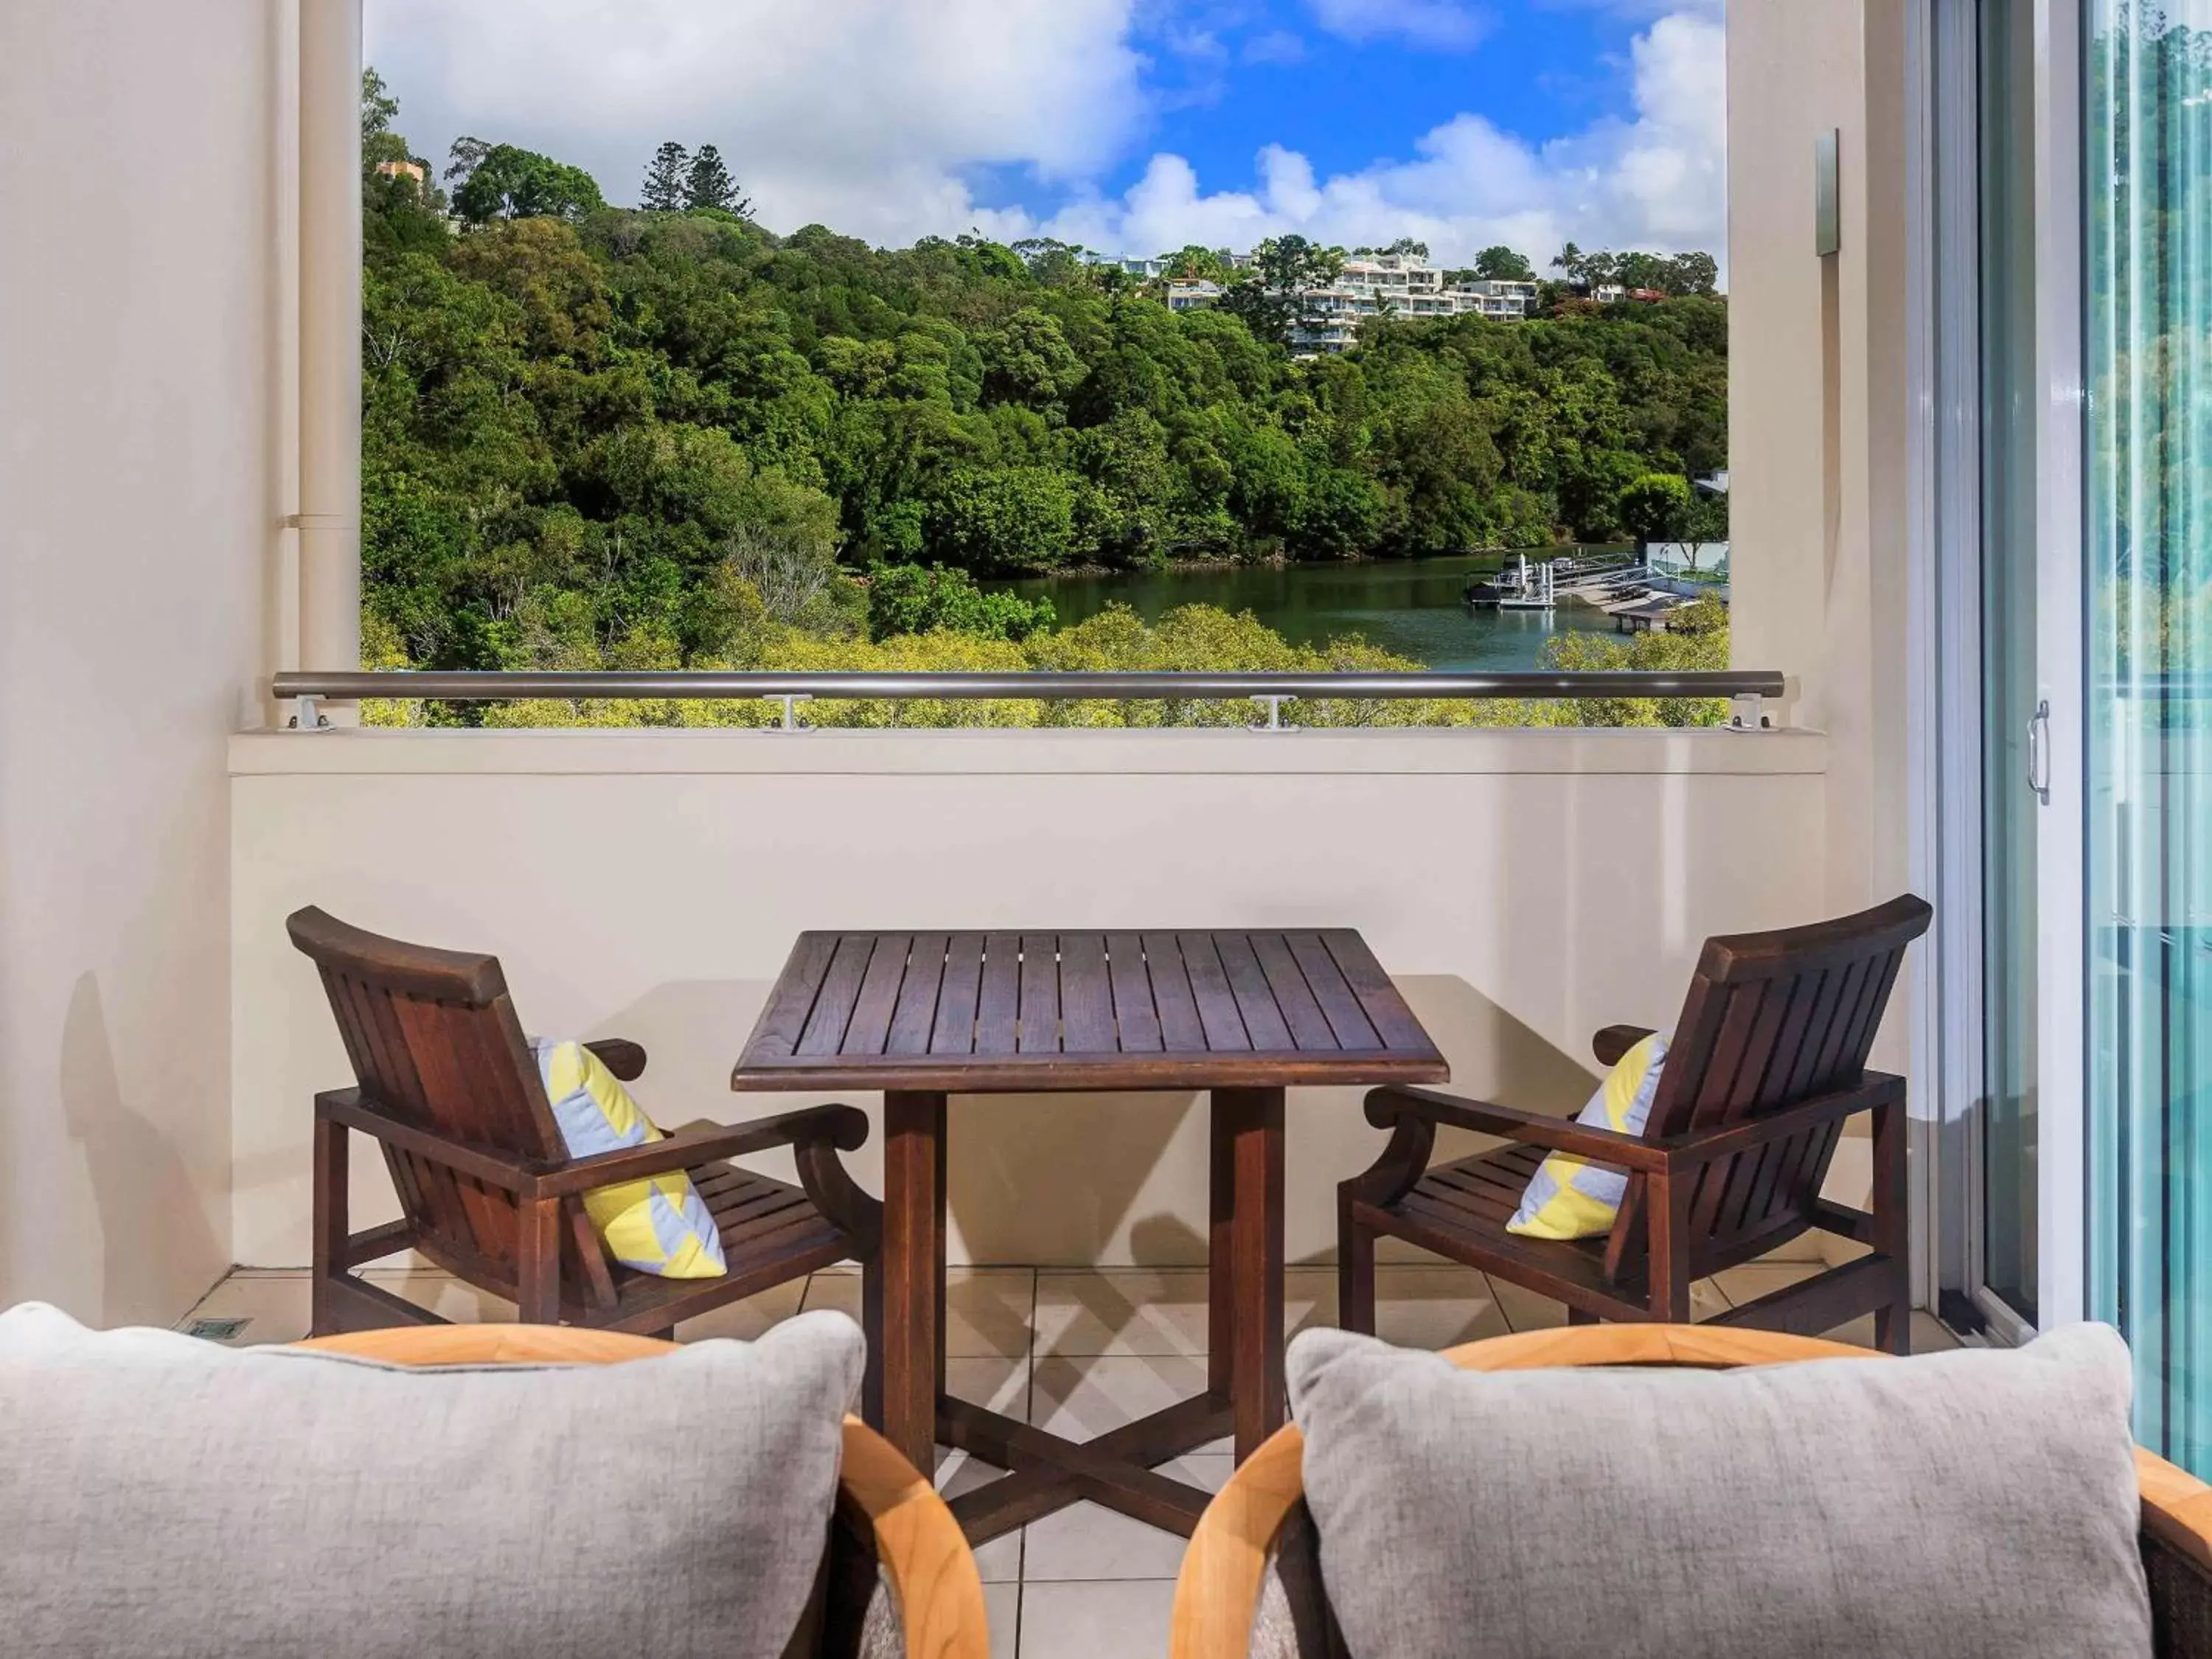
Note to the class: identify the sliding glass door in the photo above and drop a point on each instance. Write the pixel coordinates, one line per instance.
(2072, 460)
(2003, 1141)
(2003, 686)
(2148, 348)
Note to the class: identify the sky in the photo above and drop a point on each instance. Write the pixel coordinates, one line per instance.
(1129, 126)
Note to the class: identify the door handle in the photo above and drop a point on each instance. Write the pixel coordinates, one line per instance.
(2039, 753)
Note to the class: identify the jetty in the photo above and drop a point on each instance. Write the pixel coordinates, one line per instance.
(1520, 587)
(1637, 597)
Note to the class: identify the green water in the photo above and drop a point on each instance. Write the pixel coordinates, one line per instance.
(1409, 606)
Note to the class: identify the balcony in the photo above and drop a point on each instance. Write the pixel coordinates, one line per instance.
(1539, 885)
(171, 528)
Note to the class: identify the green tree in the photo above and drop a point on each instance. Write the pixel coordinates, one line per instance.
(1008, 518)
(1502, 264)
(1030, 361)
(499, 181)
(378, 109)
(1274, 298)
(1694, 273)
(911, 598)
(1656, 508)
(399, 210)
(1053, 263)
(1678, 275)
(1695, 641)
(709, 185)
(665, 179)
(1340, 514)
(1194, 262)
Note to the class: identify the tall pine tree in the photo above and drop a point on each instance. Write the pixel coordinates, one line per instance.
(708, 183)
(667, 180)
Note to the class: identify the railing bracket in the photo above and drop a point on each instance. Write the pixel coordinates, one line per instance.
(307, 715)
(1746, 713)
(1273, 703)
(790, 700)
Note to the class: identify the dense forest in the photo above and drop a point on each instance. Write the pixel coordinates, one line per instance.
(597, 436)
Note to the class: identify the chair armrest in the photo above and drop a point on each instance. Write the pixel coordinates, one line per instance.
(1217, 1591)
(919, 1547)
(843, 1126)
(625, 1058)
(1557, 1134)
(1875, 1091)
(1614, 1041)
(488, 1165)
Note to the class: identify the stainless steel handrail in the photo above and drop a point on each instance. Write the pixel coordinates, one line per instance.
(441, 686)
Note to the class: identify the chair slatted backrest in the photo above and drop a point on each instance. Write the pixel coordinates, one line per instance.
(1771, 1019)
(435, 1042)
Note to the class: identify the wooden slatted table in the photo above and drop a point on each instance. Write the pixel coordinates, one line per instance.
(1242, 1014)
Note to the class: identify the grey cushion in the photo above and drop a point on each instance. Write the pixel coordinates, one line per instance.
(883, 1635)
(163, 1495)
(1952, 1506)
(1274, 1627)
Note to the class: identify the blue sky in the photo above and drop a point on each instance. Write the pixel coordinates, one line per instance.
(1129, 125)
(1264, 73)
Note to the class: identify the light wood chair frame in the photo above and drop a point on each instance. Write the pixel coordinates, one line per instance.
(916, 1541)
(1218, 1593)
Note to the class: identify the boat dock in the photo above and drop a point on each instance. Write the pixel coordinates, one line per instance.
(1637, 597)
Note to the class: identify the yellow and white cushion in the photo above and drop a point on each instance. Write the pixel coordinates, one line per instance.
(1571, 1197)
(658, 1224)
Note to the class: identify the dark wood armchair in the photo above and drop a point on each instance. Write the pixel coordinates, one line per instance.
(449, 1089)
(1767, 1062)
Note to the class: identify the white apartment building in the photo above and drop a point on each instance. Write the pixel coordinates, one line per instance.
(1157, 268)
(1369, 285)
(1403, 285)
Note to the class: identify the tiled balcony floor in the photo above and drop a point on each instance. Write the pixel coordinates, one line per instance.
(1078, 1354)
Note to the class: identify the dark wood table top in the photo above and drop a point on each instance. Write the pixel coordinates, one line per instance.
(979, 1013)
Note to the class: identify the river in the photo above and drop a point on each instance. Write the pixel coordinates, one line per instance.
(1411, 607)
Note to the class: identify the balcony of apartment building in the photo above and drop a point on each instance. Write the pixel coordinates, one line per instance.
(1980, 698)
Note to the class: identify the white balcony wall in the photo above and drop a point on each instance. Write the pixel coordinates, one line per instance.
(1525, 887)
(138, 505)
(1822, 411)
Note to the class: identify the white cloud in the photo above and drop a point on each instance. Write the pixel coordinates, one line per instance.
(1275, 47)
(1449, 25)
(861, 114)
(1642, 11)
(1656, 180)
(869, 116)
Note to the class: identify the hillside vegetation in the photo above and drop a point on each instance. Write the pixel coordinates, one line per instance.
(597, 436)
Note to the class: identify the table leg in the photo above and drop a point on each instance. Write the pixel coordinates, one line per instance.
(913, 1272)
(1246, 1278)
(1220, 1249)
